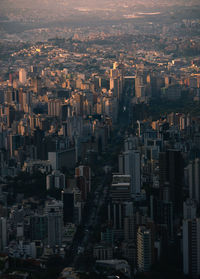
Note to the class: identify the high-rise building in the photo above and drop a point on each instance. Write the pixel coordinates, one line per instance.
(55, 180)
(107, 236)
(116, 86)
(119, 195)
(116, 80)
(54, 211)
(10, 113)
(130, 232)
(68, 206)
(83, 179)
(3, 233)
(194, 179)
(132, 167)
(144, 249)
(191, 247)
(163, 215)
(121, 163)
(11, 96)
(189, 209)
(54, 107)
(36, 84)
(171, 171)
(15, 143)
(39, 227)
(64, 158)
(103, 252)
(139, 87)
(120, 188)
(22, 76)
(27, 101)
(130, 143)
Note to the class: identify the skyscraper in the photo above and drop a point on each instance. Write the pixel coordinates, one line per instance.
(83, 179)
(3, 233)
(68, 206)
(139, 87)
(39, 227)
(22, 76)
(55, 180)
(116, 80)
(194, 179)
(171, 171)
(144, 249)
(54, 107)
(132, 168)
(191, 247)
(119, 195)
(54, 211)
(189, 209)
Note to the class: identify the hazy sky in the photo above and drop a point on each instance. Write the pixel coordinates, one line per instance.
(91, 3)
(18, 17)
(44, 9)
